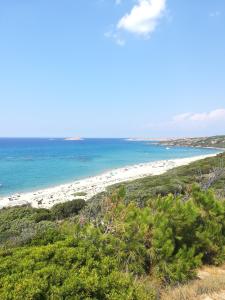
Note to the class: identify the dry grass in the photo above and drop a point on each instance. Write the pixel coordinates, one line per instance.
(209, 286)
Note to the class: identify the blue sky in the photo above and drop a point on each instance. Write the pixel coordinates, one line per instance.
(109, 68)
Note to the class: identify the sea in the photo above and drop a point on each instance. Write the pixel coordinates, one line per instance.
(29, 164)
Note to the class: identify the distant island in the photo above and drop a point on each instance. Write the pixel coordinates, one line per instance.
(73, 139)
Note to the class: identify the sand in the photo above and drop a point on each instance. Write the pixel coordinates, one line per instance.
(91, 186)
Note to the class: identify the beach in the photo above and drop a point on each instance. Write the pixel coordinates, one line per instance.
(88, 187)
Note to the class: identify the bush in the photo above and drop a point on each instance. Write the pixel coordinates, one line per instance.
(42, 214)
(67, 209)
(46, 233)
(113, 257)
(170, 237)
(84, 267)
(25, 225)
(187, 234)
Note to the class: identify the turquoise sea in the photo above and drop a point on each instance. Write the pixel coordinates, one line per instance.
(30, 164)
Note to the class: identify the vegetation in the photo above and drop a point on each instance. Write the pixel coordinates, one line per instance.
(65, 210)
(26, 225)
(138, 241)
(80, 194)
(118, 258)
(207, 173)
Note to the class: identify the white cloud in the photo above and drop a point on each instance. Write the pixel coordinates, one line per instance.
(181, 117)
(115, 36)
(204, 117)
(142, 20)
(191, 124)
(215, 14)
(143, 17)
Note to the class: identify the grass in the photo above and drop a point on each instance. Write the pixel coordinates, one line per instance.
(210, 285)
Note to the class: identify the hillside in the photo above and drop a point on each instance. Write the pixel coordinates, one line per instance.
(208, 173)
(213, 141)
(134, 242)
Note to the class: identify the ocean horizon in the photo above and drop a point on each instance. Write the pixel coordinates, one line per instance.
(29, 164)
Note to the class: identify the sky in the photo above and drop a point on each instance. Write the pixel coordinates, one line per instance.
(112, 68)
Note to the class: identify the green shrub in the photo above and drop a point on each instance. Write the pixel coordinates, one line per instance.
(67, 209)
(113, 256)
(80, 194)
(84, 267)
(46, 233)
(42, 214)
(186, 234)
(25, 225)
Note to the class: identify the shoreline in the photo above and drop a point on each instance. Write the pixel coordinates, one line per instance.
(91, 186)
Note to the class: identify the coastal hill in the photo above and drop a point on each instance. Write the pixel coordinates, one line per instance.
(208, 173)
(148, 239)
(212, 142)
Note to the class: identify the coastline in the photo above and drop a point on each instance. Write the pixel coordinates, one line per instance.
(91, 186)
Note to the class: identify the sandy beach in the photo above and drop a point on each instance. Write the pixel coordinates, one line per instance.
(93, 185)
